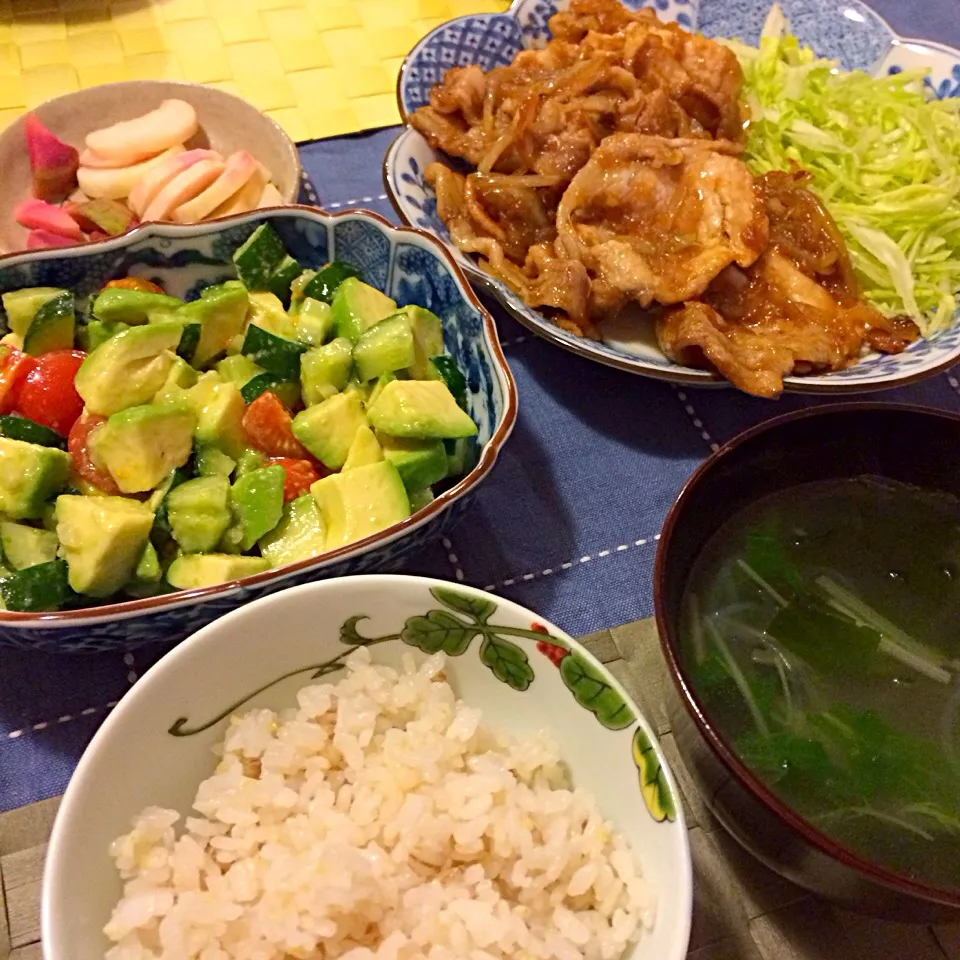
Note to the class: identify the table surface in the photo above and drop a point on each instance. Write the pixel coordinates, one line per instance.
(742, 911)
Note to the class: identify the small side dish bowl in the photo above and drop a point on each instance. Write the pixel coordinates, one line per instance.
(894, 442)
(408, 265)
(155, 747)
(227, 124)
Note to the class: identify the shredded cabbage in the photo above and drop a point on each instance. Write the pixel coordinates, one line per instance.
(885, 159)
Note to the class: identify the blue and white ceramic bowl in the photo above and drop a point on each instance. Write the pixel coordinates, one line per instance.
(410, 266)
(846, 30)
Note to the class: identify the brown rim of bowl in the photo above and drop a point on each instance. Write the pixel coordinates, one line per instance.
(691, 701)
(490, 452)
(290, 142)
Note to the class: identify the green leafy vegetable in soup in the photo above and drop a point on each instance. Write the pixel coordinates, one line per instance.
(821, 630)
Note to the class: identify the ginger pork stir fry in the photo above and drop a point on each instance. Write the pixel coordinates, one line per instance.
(608, 173)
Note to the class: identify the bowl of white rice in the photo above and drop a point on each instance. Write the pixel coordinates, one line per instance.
(371, 768)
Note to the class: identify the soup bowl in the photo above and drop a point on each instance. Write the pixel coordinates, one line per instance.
(157, 745)
(906, 444)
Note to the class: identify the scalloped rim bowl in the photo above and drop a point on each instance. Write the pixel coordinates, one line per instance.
(846, 29)
(309, 218)
(133, 760)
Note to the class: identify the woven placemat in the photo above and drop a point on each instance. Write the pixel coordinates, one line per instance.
(318, 67)
(742, 911)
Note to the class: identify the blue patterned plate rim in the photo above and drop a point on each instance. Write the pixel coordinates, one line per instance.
(488, 455)
(620, 360)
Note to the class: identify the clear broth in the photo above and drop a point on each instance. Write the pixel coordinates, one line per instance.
(821, 629)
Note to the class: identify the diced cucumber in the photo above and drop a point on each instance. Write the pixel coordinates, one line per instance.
(21, 428)
(258, 257)
(213, 462)
(38, 588)
(461, 455)
(420, 498)
(51, 327)
(324, 283)
(221, 313)
(325, 370)
(249, 460)
(384, 348)
(238, 369)
(189, 340)
(21, 305)
(285, 272)
(276, 355)
(90, 336)
(25, 546)
(299, 285)
(357, 307)
(313, 322)
(428, 339)
(382, 381)
(444, 368)
(287, 391)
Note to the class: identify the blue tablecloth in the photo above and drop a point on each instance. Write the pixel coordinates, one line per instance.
(567, 524)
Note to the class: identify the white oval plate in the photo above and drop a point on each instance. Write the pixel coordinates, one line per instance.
(846, 30)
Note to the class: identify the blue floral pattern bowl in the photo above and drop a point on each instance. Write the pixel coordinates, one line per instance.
(846, 30)
(410, 266)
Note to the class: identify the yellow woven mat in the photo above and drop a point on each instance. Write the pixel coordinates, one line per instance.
(318, 67)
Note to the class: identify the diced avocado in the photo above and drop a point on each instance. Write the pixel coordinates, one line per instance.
(297, 536)
(25, 546)
(382, 381)
(422, 409)
(213, 462)
(384, 348)
(248, 460)
(444, 368)
(22, 428)
(325, 283)
(427, 330)
(360, 502)
(12, 340)
(313, 322)
(238, 369)
(139, 446)
(221, 312)
(219, 407)
(129, 368)
(148, 568)
(206, 569)
(364, 450)
(257, 258)
(277, 355)
(420, 463)
(461, 455)
(40, 587)
(285, 272)
(29, 476)
(327, 429)
(420, 498)
(325, 370)
(257, 499)
(357, 306)
(199, 513)
(181, 377)
(90, 336)
(21, 305)
(102, 540)
(299, 285)
(119, 304)
(266, 311)
(51, 327)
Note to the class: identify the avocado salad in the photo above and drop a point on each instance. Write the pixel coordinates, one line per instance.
(154, 445)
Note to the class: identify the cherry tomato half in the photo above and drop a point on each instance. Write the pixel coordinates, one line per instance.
(79, 450)
(14, 366)
(299, 475)
(268, 428)
(47, 393)
(135, 283)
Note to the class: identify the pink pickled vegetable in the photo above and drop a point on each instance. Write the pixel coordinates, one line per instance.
(39, 239)
(53, 162)
(40, 215)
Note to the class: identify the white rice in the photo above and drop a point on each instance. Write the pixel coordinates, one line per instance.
(379, 819)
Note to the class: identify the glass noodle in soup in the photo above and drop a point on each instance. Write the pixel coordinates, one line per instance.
(821, 631)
